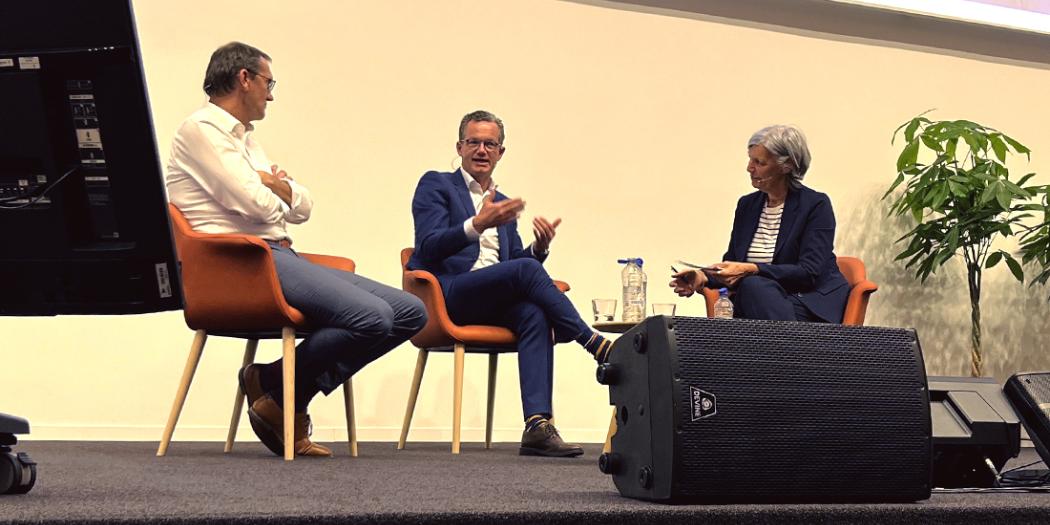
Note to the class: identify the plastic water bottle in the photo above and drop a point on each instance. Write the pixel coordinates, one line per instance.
(634, 284)
(723, 306)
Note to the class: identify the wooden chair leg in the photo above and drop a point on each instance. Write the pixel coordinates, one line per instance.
(288, 340)
(238, 401)
(413, 393)
(199, 338)
(493, 361)
(351, 425)
(457, 396)
(608, 437)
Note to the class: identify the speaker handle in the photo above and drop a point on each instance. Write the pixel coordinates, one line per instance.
(640, 342)
(607, 374)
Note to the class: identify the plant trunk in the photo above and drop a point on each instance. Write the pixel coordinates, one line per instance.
(973, 276)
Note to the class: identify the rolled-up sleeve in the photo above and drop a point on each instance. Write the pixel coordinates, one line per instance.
(302, 204)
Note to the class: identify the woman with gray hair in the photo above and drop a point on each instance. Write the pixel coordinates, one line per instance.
(780, 261)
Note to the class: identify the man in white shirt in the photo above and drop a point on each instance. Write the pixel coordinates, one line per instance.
(467, 236)
(222, 181)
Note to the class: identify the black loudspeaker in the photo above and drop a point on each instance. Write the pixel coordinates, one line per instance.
(739, 411)
(17, 470)
(1030, 395)
(975, 431)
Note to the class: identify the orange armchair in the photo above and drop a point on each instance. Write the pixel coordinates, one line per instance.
(230, 289)
(860, 290)
(442, 335)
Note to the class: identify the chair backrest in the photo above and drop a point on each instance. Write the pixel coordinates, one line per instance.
(861, 289)
(229, 281)
(440, 331)
(852, 269)
(425, 286)
(406, 254)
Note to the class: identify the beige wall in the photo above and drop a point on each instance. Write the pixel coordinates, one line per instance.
(629, 125)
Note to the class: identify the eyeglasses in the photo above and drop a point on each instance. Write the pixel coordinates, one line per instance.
(270, 83)
(490, 146)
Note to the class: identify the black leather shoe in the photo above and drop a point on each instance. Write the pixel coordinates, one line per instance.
(544, 440)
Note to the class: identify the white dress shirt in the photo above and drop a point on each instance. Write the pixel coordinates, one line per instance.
(489, 254)
(212, 178)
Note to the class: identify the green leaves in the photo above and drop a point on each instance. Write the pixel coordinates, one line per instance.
(963, 199)
(1035, 242)
(1018, 147)
(1015, 267)
(998, 146)
(909, 156)
(994, 259)
(1002, 196)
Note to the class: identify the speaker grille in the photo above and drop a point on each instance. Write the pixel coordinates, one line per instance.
(1030, 395)
(1038, 388)
(804, 411)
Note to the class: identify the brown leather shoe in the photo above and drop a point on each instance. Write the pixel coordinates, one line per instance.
(303, 446)
(251, 382)
(544, 440)
(267, 421)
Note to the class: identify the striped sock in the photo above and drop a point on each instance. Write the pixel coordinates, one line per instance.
(534, 421)
(597, 345)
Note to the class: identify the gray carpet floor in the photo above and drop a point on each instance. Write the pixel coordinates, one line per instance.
(117, 482)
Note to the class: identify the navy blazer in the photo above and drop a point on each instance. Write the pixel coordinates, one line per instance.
(440, 206)
(803, 260)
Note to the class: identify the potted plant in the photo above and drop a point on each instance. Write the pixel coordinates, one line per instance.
(1035, 243)
(961, 201)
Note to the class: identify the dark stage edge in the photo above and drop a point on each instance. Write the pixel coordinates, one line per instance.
(124, 482)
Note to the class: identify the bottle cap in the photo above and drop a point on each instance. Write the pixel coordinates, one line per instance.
(723, 291)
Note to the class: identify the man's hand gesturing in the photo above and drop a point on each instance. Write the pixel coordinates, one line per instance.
(497, 213)
(544, 232)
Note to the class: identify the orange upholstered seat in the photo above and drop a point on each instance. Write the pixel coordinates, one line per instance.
(230, 289)
(442, 335)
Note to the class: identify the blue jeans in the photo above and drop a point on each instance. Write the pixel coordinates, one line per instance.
(353, 320)
(519, 295)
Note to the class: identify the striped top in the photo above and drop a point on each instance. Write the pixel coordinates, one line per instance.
(765, 239)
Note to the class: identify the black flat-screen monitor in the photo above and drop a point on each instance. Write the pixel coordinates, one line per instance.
(82, 205)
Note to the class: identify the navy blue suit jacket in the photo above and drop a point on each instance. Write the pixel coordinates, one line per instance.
(440, 206)
(803, 260)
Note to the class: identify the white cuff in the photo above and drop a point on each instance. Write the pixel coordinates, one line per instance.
(468, 228)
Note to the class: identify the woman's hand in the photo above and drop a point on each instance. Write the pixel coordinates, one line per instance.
(687, 283)
(730, 272)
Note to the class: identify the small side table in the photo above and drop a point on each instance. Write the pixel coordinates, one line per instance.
(613, 327)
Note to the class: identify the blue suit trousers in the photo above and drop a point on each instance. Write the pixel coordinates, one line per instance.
(519, 295)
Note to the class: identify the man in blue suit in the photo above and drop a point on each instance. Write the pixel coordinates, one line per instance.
(780, 259)
(467, 236)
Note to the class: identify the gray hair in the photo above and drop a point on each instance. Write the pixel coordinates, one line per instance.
(788, 145)
(226, 63)
(480, 116)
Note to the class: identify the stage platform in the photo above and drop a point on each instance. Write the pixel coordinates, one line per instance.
(124, 482)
